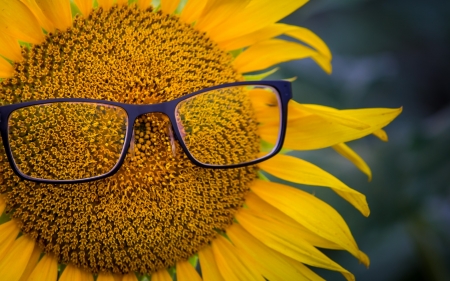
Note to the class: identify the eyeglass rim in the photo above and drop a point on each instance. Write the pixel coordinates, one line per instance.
(283, 89)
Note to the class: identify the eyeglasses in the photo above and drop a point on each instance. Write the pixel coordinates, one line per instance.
(38, 136)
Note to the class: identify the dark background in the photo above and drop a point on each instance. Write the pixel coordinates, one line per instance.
(387, 53)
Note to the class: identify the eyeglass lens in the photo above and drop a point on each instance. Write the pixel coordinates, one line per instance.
(67, 140)
(222, 126)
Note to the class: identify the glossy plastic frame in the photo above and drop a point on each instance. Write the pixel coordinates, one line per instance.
(283, 89)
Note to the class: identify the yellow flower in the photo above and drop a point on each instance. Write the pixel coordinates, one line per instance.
(160, 213)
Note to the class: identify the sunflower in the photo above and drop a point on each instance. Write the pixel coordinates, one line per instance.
(161, 216)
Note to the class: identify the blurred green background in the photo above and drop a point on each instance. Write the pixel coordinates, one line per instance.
(387, 53)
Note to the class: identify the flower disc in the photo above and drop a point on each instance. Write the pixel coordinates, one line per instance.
(159, 208)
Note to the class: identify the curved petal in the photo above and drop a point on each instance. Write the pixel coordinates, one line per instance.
(105, 276)
(256, 15)
(18, 21)
(314, 214)
(161, 275)
(130, 277)
(85, 6)
(271, 52)
(185, 272)
(73, 273)
(353, 157)
(42, 19)
(9, 48)
(210, 271)
(192, 11)
(303, 269)
(257, 36)
(8, 234)
(58, 12)
(34, 258)
(46, 269)
(260, 76)
(270, 213)
(216, 12)
(303, 172)
(6, 69)
(311, 131)
(144, 4)
(122, 2)
(13, 264)
(381, 134)
(105, 4)
(169, 6)
(2, 204)
(307, 36)
(331, 114)
(281, 239)
(86, 275)
(231, 264)
(274, 265)
(300, 33)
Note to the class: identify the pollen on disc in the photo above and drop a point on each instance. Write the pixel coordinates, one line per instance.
(159, 208)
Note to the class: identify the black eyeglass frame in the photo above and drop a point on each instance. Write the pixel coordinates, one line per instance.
(283, 89)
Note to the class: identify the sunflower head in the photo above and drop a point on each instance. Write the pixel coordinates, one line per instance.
(160, 209)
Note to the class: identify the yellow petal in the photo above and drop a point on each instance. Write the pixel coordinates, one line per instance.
(58, 12)
(269, 53)
(106, 4)
(46, 269)
(281, 239)
(169, 6)
(161, 275)
(85, 6)
(18, 21)
(303, 269)
(87, 276)
(218, 11)
(105, 276)
(122, 2)
(144, 4)
(257, 36)
(42, 19)
(381, 134)
(8, 234)
(303, 172)
(230, 263)
(310, 212)
(270, 213)
(260, 76)
(307, 36)
(6, 69)
(331, 114)
(311, 131)
(351, 155)
(185, 272)
(73, 273)
(192, 11)
(130, 277)
(31, 264)
(13, 264)
(210, 271)
(2, 204)
(256, 15)
(274, 30)
(273, 265)
(9, 48)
